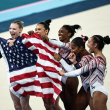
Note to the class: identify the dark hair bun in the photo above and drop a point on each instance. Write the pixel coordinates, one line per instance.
(76, 26)
(85, 38)
(48, 22)
(106, 39)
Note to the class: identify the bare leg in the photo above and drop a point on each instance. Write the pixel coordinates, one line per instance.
(91, 103)
(99, 101)
(48, 104)
(16, 101)
(56, 105)
(20, 104)
(71, 91)
(28, 97)
(90, 99)
(24, 103)
(81, 100)
(27, 101)
(63, 97)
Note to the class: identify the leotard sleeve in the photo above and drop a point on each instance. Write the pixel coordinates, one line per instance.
(60, 44)
(66, 66)
(91, 65)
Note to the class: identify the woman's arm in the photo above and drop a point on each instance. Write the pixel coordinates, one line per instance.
(63, 62)
(91, 65)
(60, 44)
(66, 66)
(74, 73)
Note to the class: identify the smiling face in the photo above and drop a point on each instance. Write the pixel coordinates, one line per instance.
(41, 30)
(14, 30)
(63, 35)
(75, 49)
(91, 45)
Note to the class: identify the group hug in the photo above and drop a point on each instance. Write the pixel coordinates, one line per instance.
(49, 68)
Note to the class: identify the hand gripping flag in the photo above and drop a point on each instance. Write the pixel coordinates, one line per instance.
(47, 67)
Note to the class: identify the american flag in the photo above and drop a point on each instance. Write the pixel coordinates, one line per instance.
(47, 67)
(21, 69)
(24, 74)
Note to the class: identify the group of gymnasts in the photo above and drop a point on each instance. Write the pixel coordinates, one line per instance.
(75, 61)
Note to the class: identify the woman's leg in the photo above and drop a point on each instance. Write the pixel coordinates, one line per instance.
(24, 103)
(99, 101)
(90, 99)
(26, 100)
(71, 91)
(91, 103)
(56, 105)
(28, 97)
(63, 97)
(16, 101)
(48, 104)
(20, 104)
(81, 100)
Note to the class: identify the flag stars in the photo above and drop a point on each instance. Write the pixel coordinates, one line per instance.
(10, 60)
(22, 54)
(18, 42)
(16, 45)
(31, 55)
(3, 45)
(22, 63)
(17, 56)
(10, 51)
(14, 54)
(35, 59)
(22, 60)
(7, 48)
(12, 66)
(21, 48)
(31, 61)
(18, 62)
(26, 54)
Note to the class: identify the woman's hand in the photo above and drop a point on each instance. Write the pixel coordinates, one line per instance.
(44, 37)
(62, 72)
(72, 58)
(30, 32)
(11, 42)
(57, 57)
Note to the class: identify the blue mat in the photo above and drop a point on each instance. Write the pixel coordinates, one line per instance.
(48, 9)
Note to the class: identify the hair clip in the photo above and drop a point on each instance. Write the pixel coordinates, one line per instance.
(83, 38)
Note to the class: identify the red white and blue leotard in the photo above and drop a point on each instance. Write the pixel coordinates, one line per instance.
(84, 60)
(96, 68)
(84, 78)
